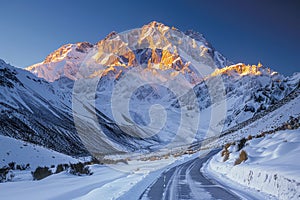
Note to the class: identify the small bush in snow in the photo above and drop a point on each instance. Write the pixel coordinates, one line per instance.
(241, 144)
(60, 168)
(249, 137)
(243, 157)
(3, 173)
(225, 153)
(66, 166)
(41, 172)
(227, 145)
(79, 169)
(22, 167)
(12, 165)
(260, 135)
(6, 174)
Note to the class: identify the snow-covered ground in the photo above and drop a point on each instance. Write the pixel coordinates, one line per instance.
(22, 153)
(271, 167)
(108, 182)
(60, 186)
(30, 155)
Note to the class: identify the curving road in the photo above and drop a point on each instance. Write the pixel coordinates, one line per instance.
(186, 181)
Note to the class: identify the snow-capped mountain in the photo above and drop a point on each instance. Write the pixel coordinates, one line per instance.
(66, 61)
(40, 110)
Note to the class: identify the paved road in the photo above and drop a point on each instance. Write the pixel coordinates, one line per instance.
(186, 181)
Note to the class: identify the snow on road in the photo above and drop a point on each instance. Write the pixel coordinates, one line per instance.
(185, 181)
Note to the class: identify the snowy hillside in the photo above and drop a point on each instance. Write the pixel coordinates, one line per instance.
(33, 110)
(250, 89)
(266, 159)
(62, 185)
(271, 165)
(271, 120)
(23, 153)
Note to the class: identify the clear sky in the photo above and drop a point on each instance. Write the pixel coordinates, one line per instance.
(244, 31)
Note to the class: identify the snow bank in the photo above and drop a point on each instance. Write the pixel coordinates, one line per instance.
(60, 186)
(272, 165)
(28, 157)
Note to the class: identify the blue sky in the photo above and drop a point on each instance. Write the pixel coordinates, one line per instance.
(244, 31)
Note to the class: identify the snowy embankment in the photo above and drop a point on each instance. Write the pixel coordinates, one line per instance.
(272, 159)
(271, 166)
(27, 157)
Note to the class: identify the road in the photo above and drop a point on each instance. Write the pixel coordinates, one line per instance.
(186, 181)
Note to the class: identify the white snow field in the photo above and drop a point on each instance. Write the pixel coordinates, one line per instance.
(22, 153)
(272, 166)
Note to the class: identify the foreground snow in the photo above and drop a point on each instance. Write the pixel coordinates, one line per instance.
(59, 186)
(108, 182)
(22, 153)
(271, 167)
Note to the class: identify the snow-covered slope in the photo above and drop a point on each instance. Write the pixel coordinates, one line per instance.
(290, 106)
(23, 153)
(271, 166)
(33, 110)
(272, 150)
(64, 62)
(219, 59)
(250, 89)
(65, 185)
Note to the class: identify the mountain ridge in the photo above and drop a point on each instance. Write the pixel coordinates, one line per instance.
(36, 104)
(65, 61)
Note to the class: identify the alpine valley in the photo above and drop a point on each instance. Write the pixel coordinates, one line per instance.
(36, 103)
